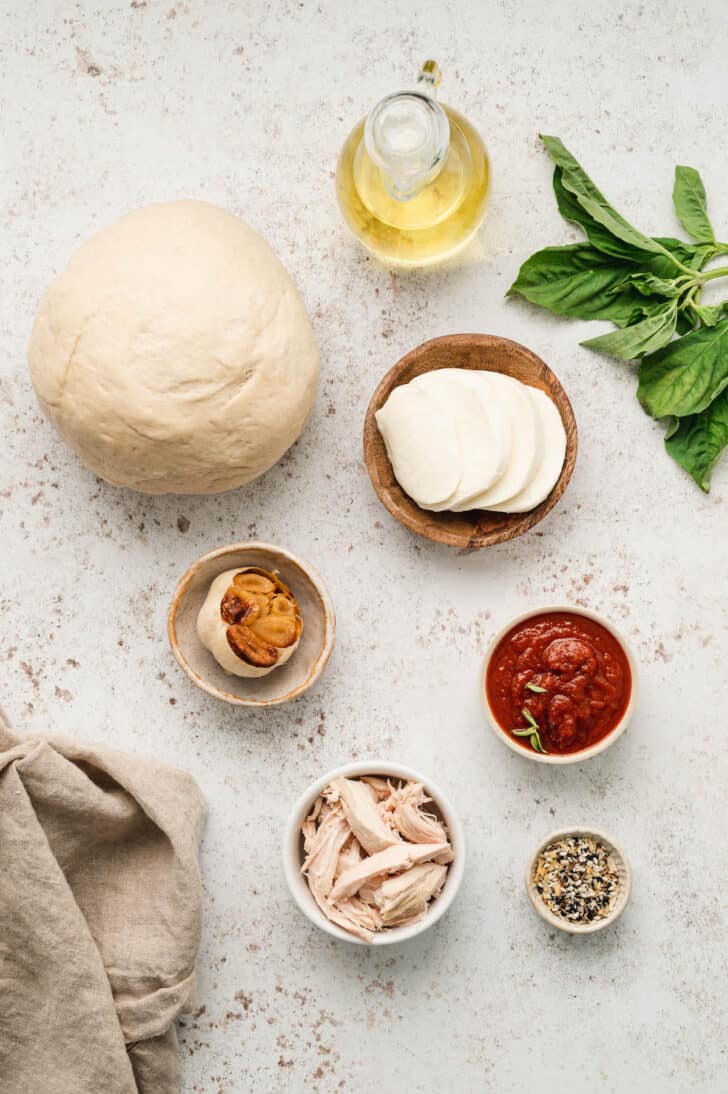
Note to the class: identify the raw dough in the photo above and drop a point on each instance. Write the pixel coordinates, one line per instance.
(174, 353)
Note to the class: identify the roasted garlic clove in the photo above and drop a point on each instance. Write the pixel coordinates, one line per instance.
(234, 608)
(280, 630)
(283, 605)
(256, 581)
(248, 646)
(250, 621)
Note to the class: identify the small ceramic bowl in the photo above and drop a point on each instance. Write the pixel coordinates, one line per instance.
(625, 883)
(482, 352)
(282, 684)
(293, 855)
(585, 753)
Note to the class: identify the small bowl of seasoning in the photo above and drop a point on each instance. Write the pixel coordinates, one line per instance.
(579, 880)
(559, 684)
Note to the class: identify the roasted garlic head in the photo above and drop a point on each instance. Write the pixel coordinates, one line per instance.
(250, 621)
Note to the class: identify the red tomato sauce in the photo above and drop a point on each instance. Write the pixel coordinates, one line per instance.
(581, 666)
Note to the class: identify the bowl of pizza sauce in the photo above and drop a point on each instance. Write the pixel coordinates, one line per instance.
(559, 684)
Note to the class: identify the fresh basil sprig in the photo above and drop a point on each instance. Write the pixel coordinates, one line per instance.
(649, 288)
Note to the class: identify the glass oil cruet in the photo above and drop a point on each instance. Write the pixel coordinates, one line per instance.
(412, 178)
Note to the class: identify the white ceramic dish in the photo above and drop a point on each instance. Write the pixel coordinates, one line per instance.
(284, 683)
(625, 882)
(293, 851)
(585, 753)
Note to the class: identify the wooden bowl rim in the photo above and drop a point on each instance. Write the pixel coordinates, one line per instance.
(431, 525)
(327, 611)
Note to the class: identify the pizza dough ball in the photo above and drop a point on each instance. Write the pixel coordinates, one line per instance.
(174, 353)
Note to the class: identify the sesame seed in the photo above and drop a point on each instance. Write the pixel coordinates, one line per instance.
(577, 879)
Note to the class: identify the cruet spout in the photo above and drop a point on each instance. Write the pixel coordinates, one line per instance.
(407, 135)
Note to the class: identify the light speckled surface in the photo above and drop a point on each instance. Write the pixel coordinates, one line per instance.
(108, 106)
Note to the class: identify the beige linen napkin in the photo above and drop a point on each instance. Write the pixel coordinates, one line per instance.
(100, 916)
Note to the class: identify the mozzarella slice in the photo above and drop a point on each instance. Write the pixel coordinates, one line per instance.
(552, 458)
(422, 445)
(510, 398)
(484, 436)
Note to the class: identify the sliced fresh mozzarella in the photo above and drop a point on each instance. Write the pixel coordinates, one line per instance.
(552, 459)
(510, 398)
(484, 435)
(422, 445)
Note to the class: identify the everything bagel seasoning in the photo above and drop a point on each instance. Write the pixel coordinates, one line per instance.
(577, 879)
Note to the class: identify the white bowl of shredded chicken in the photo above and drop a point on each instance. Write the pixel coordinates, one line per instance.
(373, 853)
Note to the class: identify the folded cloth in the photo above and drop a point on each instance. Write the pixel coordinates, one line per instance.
(100, 917)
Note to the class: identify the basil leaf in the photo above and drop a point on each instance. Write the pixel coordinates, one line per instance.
(699, 440)
(599, 236)
(577, 182)
(684, 323)
(649, 284)
(651, 334)
(673, 424)
(688, 195)
(709, 314)
(581, 282)
(693, 255)
(685, 377)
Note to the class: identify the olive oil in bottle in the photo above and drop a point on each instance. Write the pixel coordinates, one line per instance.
(412, 179)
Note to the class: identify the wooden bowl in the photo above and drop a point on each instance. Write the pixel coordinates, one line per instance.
(488, 353)
(282, 684)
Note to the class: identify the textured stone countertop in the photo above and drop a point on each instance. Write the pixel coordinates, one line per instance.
(108, 106)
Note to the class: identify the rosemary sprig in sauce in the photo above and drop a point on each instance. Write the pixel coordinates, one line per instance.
(531, 732)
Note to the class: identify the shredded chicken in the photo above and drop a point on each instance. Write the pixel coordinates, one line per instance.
(408, 895)
(373, 858)
(401, 807)
(322, 855)
(381, 787)
(393, 860)
(419, 827)
(371, 891)
(360, 809)
(350, 854)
